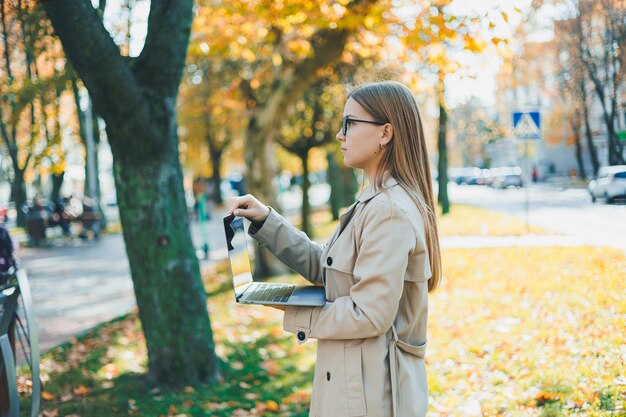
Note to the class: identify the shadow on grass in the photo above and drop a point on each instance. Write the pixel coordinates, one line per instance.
(81, 377)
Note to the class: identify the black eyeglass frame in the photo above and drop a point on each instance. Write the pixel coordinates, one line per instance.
(348, 119)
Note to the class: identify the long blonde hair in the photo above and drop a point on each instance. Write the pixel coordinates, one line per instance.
(405, 157)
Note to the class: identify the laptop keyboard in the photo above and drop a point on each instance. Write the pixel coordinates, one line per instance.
(271, 293)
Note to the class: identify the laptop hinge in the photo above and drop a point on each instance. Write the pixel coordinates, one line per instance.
(238, 297)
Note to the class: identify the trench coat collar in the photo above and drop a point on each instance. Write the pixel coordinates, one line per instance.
(370, 191)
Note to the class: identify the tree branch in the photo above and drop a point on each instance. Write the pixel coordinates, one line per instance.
(160, 64)
(327, 46)
(97, 61)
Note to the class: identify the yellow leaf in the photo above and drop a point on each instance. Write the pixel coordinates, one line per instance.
(505, 17)
(272, 406)
(48, 396)
(81, 390)
(110, 371)
(189, 390)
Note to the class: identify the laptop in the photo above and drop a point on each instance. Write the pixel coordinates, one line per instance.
(249, 292)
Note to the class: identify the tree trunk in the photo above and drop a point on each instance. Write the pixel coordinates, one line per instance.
(350, 185)
(615, 149)
(216, 178)
(164, 267)
(306, 185)
(442, 166)
(18, 195)
(96, 140)
(336, 185)
(589, 137)
(261, 162)
(57, 183)
(579, 153)
(138, 106)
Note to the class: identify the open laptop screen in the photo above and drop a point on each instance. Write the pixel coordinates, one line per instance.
(238, 255)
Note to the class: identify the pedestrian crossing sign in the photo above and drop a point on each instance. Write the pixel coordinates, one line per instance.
(527, 125)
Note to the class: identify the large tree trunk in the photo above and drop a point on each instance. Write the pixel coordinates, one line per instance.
(166, 277)
(442, 145)
(138, 107)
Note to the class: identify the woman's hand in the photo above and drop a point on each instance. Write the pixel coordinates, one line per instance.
(249, 207)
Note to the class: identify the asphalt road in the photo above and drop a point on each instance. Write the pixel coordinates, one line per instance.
(563, 211)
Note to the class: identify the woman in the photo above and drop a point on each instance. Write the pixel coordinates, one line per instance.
(377, 268)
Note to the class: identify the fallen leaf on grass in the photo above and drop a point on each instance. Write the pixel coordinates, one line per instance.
(65, 398)
(272, 406)
(271, 366)
(48, 396)
(110, 371)
(50, 413)
(80, 390)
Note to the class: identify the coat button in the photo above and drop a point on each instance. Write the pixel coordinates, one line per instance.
(301, 336)
(329, 261)
(327, 376)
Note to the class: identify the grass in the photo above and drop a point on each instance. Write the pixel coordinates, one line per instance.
(474, 221)
(512, 332)
(462, 220)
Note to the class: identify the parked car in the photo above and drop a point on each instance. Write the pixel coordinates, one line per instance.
(610, 184)
(468, 176)
(505, 177)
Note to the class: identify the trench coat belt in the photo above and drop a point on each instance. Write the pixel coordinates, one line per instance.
(394, 344)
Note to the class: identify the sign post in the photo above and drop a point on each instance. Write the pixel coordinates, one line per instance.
(527, 127)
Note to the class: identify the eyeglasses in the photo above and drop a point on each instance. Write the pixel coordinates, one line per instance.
(348, 119)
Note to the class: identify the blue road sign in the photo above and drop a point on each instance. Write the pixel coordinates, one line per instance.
(527, 125)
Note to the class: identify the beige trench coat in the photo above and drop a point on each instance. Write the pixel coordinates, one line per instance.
(375, 272)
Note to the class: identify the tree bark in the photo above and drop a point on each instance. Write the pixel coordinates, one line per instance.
(57, 183)
(138, 107)
(266, 118)
(593, 153)
(216, 177)
(350, 185)
(306, 185)
(575, 124)
(18, 195)
(336, 185)
(96, 140)
(442, 146)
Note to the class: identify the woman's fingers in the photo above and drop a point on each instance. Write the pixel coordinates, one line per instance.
(237, 202)
(249, 207)
(247, 213)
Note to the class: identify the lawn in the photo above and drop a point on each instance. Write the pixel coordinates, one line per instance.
(462, 220)
(512, 332)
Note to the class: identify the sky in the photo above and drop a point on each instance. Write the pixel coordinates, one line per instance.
(483, 70)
